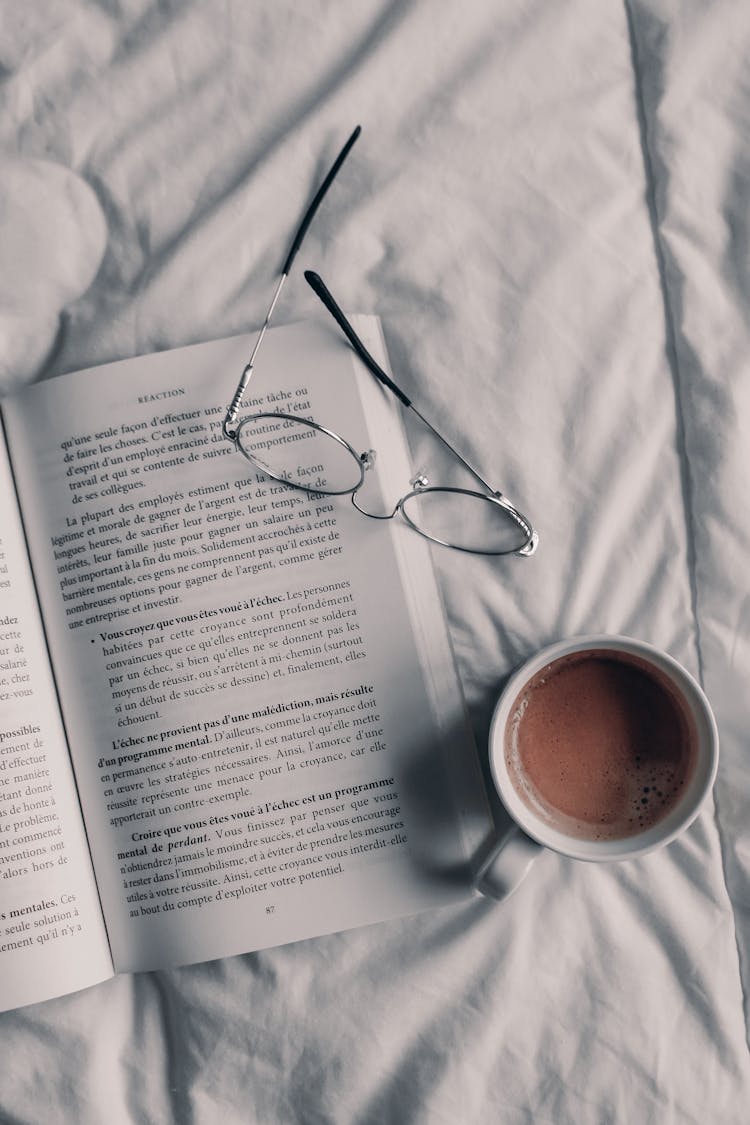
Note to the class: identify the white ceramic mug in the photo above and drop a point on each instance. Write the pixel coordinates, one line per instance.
(511, 857)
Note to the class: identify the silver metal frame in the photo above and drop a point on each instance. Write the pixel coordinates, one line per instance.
(421, 485)
(233, 409)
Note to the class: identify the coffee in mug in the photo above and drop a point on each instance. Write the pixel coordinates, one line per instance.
(600, 744)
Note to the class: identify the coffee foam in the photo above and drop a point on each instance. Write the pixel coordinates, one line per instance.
(600, 745)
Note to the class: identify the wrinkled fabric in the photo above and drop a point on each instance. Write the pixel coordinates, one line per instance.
(548, 209)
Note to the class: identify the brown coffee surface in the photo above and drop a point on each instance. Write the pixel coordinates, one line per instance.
(600, 745)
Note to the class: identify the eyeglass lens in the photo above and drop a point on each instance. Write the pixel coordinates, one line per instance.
(464, 519)
(300, 453)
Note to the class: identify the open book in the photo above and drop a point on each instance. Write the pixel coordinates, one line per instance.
(229, 716)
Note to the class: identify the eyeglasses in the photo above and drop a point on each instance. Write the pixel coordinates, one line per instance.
(483, 523)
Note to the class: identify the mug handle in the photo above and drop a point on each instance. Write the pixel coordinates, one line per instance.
(507, 864)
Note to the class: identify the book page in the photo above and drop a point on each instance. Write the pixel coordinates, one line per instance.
(52, 936)
(266, 726)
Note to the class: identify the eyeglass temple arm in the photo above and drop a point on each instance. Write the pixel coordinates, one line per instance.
(318, 286)
(307, 218)
(309, 214)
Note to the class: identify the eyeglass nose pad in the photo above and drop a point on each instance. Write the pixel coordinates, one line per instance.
(367, 459)
(419, 481)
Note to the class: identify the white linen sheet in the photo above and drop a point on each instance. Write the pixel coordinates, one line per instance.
(548, 208)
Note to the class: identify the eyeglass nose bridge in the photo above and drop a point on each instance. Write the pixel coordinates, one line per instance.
(363, 511)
